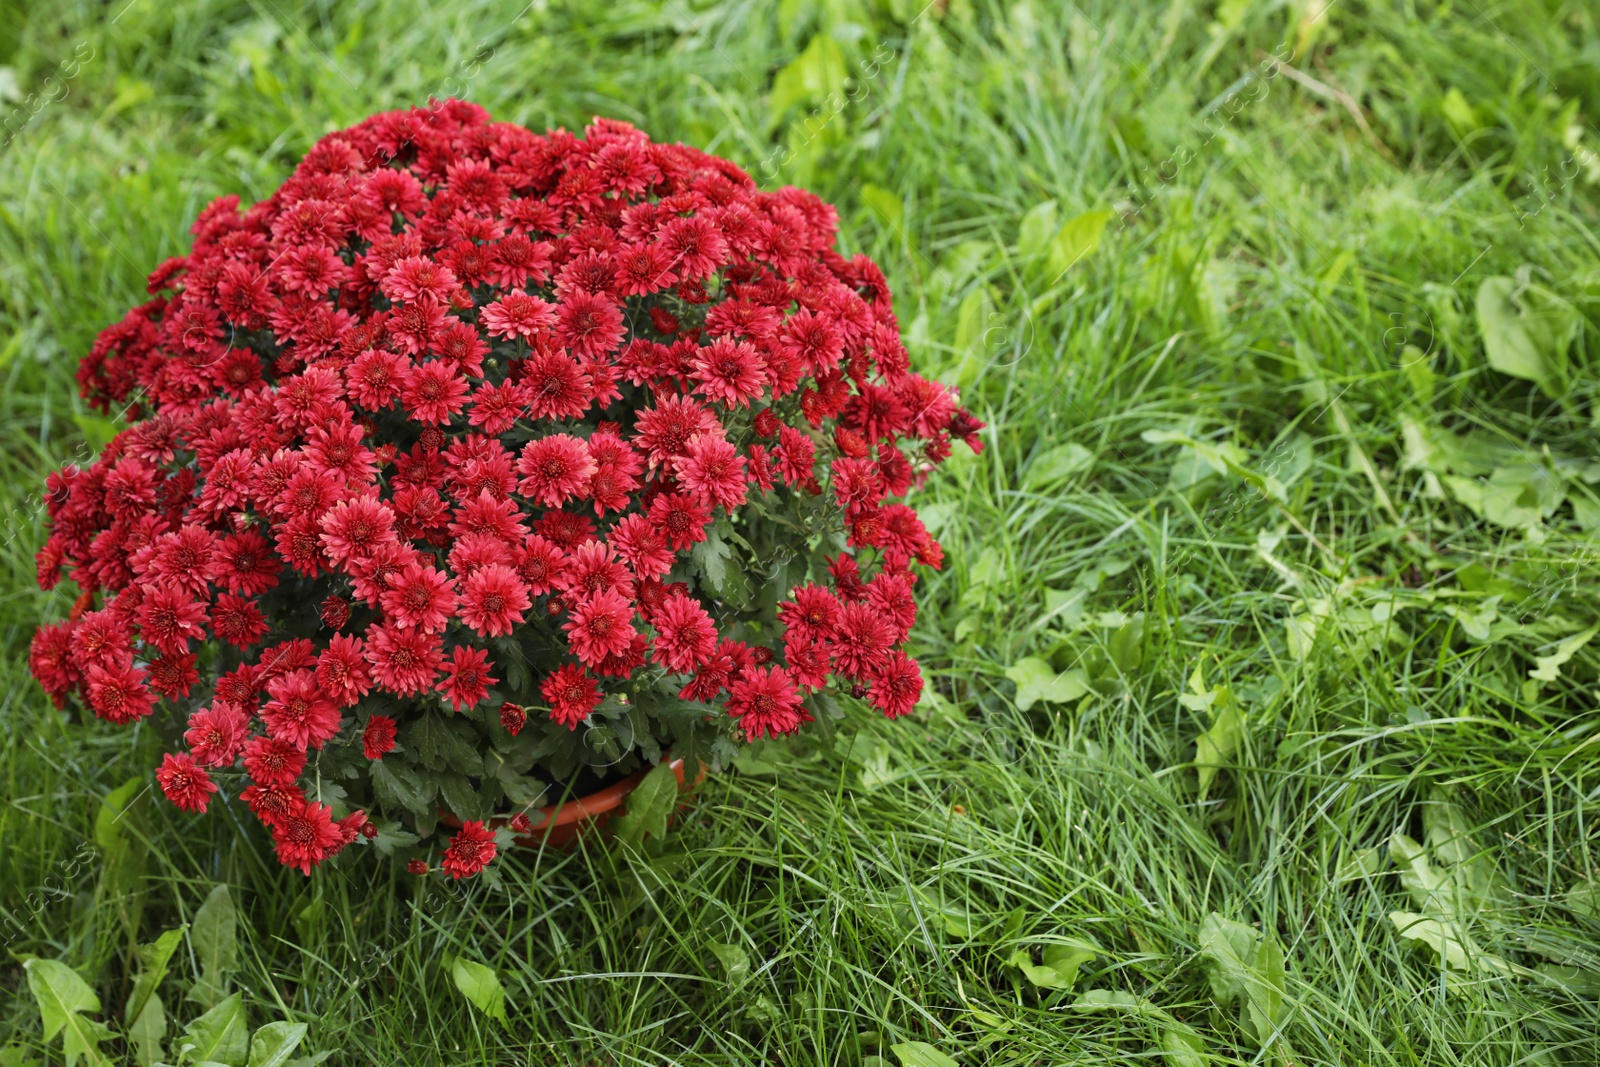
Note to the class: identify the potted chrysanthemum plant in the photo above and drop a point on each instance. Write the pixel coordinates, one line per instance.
(477, 468)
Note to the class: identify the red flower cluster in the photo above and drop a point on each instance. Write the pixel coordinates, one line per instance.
(455, 380)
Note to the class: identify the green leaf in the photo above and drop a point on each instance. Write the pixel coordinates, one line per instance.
(1036, 230)
(215, 937)
(1215, 748)
(146, 1030)
(1058, 964)
(97, 430)
(62, 996)
(1549, 667)
(885, 204)
(1243, 964)
(1115, 1000)
(1526, 330)
(441, 743)
(1076, 239)
(154, 957)
(398, 785)
(921, 1054)
(1037, 680)
(735, 961)
(219, 1036)
(274, 1043)
(311, 1060)
(1182, 1047)
(814, 74)
(710, 558)
(108, 820)
(481, 986)
(1458, 113)
(1057, 465)
(649, 807)
(17, 1055)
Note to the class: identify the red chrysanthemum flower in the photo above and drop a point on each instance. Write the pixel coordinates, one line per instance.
(765, 702)
(420, 597)
(572, 695)
(467, 679)
(494, 599)
(470, 851)
(377, 737)
(299, 711)
(729, 372)
(554, 469)
(117, 692)
(685, 635)
(217, 733)
(185, 782)
(342, 670)
(600, 626)
(513, 717)
(270, 761)
(680, 519)
(403, 661)
(554, 386)
(306, 835)
(713, 471)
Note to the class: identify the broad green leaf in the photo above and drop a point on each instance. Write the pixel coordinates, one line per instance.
(1584, 898)
(711, 559)
(1520, 495)
(1058, 964)
(399, 786)
(735, 962)
(311, 1060)
(649, 807)
(215, 937)
(154, 957)
(274, 1043)
(123, 853)
(1549, 668)
(1430, 889)
(97, 430)
(1035, 232)
(1115, 1000)
(817, 72)
(109, 825)
(956, 920)
(1243, 964)
(921, 1054)
(62, 996)
(220, 1035)
(1363, 863)
(481, 986)
(1057, 465)
(1461, 116)
(1526, 330)
(17, 1055)
(1445, 939)
(885, 204)
(1038, 681)
(146, 1031)
(1446, 831)
(1182, 1047)
(1077, 238)
(1215, 748)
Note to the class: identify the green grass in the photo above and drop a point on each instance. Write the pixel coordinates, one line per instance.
(1255, 293)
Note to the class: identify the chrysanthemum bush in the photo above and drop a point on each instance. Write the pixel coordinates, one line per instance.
(473, 459)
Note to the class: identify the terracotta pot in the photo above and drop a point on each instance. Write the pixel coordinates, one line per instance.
(560, 825)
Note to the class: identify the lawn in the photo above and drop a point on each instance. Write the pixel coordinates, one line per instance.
(1262, 723)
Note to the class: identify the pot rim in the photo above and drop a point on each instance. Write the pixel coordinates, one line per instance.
(602, 801)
